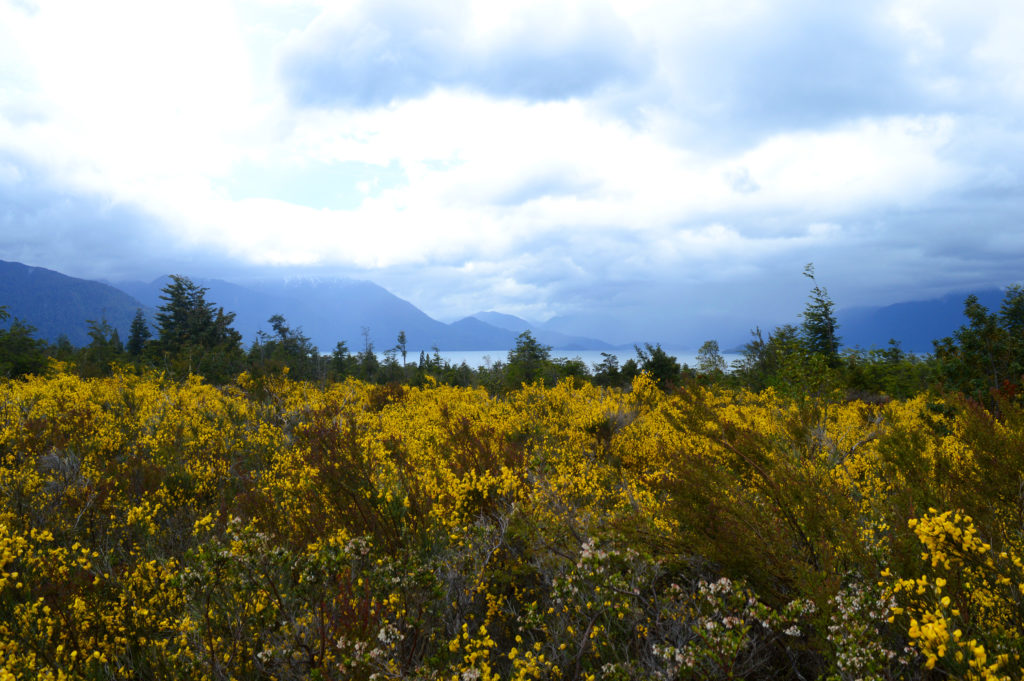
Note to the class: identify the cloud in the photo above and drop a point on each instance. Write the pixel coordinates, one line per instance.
(378, 52)
(79, 234)
(728, 77)
(662, 164)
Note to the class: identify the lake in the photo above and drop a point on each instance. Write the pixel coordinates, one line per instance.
(479, 358)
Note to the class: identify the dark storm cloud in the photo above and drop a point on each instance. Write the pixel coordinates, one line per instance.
(399, 49)
(44, 224)
(807, 64)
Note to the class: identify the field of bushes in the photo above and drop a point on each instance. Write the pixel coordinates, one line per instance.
(274, 529)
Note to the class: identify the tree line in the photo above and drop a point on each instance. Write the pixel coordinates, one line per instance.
(983, 358)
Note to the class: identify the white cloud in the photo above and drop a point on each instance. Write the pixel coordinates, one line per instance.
(373, 53)
(708, 142)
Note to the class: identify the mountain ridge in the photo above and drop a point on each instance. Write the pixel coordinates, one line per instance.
(57, 304)
(545, 336)
(356, 311)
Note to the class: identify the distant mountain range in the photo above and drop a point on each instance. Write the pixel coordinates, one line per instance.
(56, 304)
(335, 310)
(915, 324)
(339, 309)
(544, 334)
(327, 311)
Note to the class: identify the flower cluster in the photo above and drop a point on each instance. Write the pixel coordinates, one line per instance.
(278, 529)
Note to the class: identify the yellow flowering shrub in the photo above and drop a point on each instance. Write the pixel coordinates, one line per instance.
(274, 529)
(965, 614)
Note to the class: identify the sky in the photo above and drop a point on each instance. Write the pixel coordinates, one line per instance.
(630, 168)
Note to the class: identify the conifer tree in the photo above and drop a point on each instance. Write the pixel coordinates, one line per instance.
(818, 330)
(138, 334)
(196, 337)
(20, 353)
(187, 319)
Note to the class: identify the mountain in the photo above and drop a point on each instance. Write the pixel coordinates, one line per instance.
(505, 321)
(57, 304)
(915, 324)
(332, 310)
(546, 336)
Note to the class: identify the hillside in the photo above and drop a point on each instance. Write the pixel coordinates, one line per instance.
(335, 310)
(915, 324)
(57, 304)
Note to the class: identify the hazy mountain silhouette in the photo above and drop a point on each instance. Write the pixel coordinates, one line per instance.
(332, 310)
(915, 324)
(545, 335)
(57, 304)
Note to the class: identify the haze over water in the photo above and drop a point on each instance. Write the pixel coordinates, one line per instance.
(478, 358)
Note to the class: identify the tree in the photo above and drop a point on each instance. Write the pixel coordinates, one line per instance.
(138, 335)
(366, 360)
(20, 353)
(103, 351)
(196, 337)
(818, 330)
(709, 359)
(187, 319)
(342, 363)
(987, 353)
(606, 373)
(1011, 312)
(528, 360)
(661, 366)
(287, 349)
(401, 347)
(783, 362)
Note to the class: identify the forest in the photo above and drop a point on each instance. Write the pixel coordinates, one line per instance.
(179, 507)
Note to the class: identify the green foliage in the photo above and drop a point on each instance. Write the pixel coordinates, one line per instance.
(528, 361)
(607, 372)
(103, 352)
(194, 336)
(402, 346)
(367, 365)
(341, 364)
(818, 329)
(138, 335)
(20, 353)
(661, 366)
(710, 361)
(986, 355)
(884, 373)
(285, 350)
(784, 363)
(187, 320)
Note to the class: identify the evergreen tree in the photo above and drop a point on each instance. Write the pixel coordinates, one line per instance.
(342, 363)
(987, 353)
(818, 330)
(187, 319)
(286, 348)
(661, 366)
(196, 337)
(20, 353)
(607, 373)
(138, 335)
(103, 351)
(366, 361)
(529, 359)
